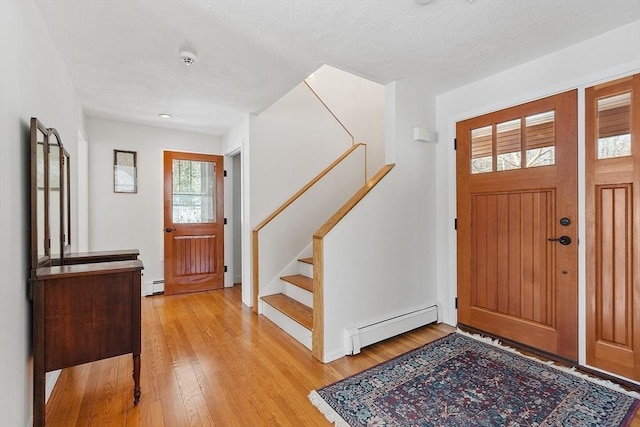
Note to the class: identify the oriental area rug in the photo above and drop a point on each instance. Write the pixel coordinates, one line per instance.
(461, 381)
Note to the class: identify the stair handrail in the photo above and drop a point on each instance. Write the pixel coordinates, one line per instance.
(353, 140)
(318, 258)
(285, 205)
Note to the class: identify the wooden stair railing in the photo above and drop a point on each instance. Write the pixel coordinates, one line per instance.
(318, 260)
(353, 140)
(285, 205)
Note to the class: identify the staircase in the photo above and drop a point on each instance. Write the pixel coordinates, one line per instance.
(292, 309)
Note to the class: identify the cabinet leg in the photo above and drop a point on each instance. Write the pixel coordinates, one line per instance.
(38, 397)
(136, 379)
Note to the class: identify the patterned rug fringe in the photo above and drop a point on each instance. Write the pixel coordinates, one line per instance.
(605, 383)
(329, 413)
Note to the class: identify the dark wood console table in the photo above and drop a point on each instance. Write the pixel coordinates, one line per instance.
(83, 313)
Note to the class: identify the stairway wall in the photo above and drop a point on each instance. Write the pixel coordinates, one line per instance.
(291, 142)
(359, 104)
(283, 240)
(379, 261)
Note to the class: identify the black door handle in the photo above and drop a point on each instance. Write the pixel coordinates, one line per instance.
(169, 229)
(563, 240)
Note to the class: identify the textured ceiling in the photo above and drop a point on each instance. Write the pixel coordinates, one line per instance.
(123, 55)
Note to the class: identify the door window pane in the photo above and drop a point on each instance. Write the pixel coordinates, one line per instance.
(508, 145)
(482, 150)
(194, 189)
(614, 126)
(540, 139)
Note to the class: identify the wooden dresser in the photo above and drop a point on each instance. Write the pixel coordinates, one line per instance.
(83, 313)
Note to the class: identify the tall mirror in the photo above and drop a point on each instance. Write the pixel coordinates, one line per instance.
(39, 197)
(66, 204)
(50, 200)
(55, 196)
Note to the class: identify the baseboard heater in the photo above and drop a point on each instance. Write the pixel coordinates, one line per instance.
(154, 288)
(357, 337)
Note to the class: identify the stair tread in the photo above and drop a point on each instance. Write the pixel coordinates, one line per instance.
(300, 280)
(291, 308)
(307, 260)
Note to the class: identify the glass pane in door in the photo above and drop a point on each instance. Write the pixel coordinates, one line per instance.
(614, 126)
(482, 150)
(194, 190)
(540, 139)
(508, 145)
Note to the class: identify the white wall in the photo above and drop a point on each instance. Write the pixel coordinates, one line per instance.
(134, 220)
(33, 82)
(600, 59)
(379, 261)
(82, 160)
(359, 104)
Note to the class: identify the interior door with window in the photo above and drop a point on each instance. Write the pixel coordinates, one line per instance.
(193, 222)
(517, 224)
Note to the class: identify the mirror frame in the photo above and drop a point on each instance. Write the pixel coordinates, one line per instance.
(36, 129)
(64, 214)
(66, 200)
(56, 221)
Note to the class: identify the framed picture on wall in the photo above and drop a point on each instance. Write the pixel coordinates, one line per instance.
(124, 172)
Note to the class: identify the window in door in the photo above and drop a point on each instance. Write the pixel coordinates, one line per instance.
(194, 189)
(529, 137)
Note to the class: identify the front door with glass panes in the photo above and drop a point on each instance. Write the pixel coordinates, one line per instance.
(517, 224)
(193, 222)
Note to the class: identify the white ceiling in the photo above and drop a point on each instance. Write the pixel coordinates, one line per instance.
(123, 58)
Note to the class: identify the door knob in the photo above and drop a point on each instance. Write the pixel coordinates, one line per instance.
(563, 240)
(169, 229)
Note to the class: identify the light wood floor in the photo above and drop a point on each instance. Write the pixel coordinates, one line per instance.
(207, 360)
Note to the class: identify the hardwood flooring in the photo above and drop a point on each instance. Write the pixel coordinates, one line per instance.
(208, 360)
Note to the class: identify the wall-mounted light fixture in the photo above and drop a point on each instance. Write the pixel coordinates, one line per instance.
(422, 135)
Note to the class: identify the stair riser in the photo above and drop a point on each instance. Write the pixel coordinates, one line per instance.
(305, 269)
(298, 294)
(291, 327)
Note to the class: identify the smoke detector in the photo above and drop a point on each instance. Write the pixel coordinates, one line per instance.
(188, 57)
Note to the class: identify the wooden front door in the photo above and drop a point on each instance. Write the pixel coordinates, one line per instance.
(517, 224)
(193, 222)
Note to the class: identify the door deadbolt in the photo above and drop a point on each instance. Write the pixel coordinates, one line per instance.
(565, 221)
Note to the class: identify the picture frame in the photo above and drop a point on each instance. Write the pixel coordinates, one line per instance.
(125, 178)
